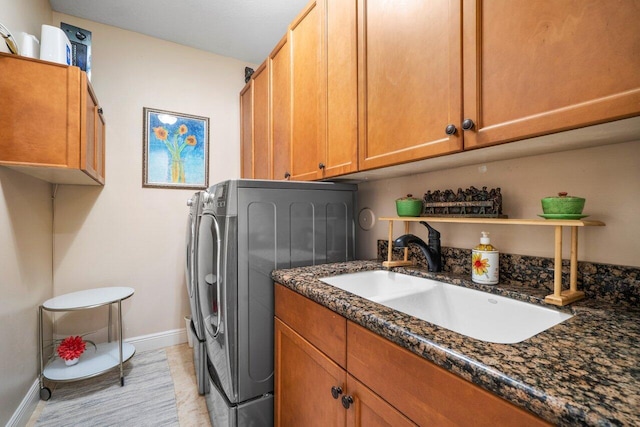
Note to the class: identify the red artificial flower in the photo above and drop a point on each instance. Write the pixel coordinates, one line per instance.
(71, 348)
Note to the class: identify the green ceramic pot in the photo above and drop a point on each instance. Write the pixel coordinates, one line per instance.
(409, 206)
(563, 204)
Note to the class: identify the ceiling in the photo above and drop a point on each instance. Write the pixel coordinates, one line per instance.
(243, 29)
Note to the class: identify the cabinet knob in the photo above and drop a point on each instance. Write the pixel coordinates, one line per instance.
(336, 392)
(347, 401)
(321, 165)
(287, 175)
(450, 130)
(468, 124)
(100, 111)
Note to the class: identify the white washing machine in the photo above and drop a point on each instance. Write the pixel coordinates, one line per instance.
(196, 326)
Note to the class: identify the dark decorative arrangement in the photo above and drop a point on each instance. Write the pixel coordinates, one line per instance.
(248, 72)
(471, 202)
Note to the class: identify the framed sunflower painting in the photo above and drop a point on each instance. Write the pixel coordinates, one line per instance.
(176, 150)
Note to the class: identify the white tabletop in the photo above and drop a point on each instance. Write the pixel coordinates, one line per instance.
(88, 298)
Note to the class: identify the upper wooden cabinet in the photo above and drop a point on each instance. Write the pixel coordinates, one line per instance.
(308, 101)
(537, 67)
(324, 90)
(51, 124)
(261, 140)
(339, 153)
(246, 131)
(92, 162)
(409, 80)
(254, 113)
(375, 83)
(280, 114)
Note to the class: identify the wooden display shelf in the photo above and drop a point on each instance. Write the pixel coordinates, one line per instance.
(559, 297)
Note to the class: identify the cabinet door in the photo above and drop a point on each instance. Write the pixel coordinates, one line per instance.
(409, 80)
(261, 141)
(304, 378)
(308, 82)
(279, 68)
(246, 133)
(368, 409)
(339, 153)
(93, 135)
(538, 67)
(40, 120)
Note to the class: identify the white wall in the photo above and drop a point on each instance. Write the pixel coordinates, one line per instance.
(25, 246)
(123, 234)
(608, 177)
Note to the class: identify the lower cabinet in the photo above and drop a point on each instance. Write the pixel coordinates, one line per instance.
(305, 378)
(311, 389)
(330, 371)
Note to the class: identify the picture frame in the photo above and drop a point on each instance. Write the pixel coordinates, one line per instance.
(175, 150)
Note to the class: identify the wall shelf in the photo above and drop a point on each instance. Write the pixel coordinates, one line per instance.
(559, 297)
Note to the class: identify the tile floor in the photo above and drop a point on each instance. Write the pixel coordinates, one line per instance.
(192, 408)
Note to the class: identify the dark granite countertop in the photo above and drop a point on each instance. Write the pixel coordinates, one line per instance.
(584, 371)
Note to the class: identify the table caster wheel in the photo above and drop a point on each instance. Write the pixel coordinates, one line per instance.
(45, 393)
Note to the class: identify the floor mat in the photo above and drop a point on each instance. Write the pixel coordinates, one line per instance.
(147, 398)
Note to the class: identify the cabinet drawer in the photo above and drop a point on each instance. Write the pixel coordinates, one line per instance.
(426, 393)
(322, 327)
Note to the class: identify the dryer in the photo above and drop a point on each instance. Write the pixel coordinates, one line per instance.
(248, 228)
(196, 327)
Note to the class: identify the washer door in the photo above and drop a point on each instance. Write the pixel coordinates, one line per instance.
(218, 300)
(209, 273)
(191, 263)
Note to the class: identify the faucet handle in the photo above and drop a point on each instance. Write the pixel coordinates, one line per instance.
(433, 233)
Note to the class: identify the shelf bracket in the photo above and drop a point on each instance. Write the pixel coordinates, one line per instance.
(560, 297)
(389, 262)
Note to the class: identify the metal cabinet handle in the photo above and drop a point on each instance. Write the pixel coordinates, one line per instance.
(336, 392)
(287, 175)
(321, 165)
(450, 130)
(468, 124)
(347, 401)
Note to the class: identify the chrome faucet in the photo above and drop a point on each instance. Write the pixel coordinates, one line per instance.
(432, 252)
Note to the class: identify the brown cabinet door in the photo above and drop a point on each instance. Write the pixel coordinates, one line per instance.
(308, 82)
(40, 113)
(339, 154)
(409, 80)
(49, 121)
(101, 143)
(537, 67)
(92, 135)
(369, 410)
(304, 378)
(246, 132)
(279, 69)
(261, 142)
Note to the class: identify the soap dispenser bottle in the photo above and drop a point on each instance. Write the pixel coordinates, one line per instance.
(484, 262)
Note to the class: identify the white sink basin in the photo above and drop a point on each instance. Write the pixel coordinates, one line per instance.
(470, 312)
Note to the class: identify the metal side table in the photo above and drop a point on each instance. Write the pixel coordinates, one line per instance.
(106, 356)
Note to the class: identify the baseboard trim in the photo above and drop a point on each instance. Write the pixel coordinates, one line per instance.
(142, 343)
(27, 406)
(159, 340)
